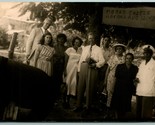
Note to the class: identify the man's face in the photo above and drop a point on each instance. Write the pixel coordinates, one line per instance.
(147, 56)
(91, 39)
(47, 24)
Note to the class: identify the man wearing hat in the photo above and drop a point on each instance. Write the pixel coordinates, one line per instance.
(146, 85)
(35, 37)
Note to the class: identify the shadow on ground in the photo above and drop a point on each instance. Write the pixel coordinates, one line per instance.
(100, 114)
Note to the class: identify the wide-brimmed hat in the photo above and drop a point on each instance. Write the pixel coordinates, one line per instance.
(119, 44)
(148, 49)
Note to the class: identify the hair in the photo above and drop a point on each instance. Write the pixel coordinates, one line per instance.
(42, 41)
(130, 55)
(77, 38)
(62, 35)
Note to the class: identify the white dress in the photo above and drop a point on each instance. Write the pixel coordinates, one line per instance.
(72, 68)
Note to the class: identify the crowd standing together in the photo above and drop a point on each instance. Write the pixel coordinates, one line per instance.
(86, 70)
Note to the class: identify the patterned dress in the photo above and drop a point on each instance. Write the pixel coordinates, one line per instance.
(113, 62)
(72, 67)
(42, 62)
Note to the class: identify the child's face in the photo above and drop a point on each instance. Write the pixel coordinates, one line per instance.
(61, 41)
(48, 39)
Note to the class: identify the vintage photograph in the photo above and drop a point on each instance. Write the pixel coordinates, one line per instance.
(77, 61)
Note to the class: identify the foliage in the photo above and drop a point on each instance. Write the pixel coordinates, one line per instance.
(75, 15)
(4, 43)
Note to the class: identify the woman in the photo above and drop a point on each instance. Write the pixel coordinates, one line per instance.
(124, 87)
(117, 58)
(107, 53)
(43, 58)
(106, 48)
(72, 58)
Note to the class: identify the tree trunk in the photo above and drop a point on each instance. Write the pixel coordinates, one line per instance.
(95, 22)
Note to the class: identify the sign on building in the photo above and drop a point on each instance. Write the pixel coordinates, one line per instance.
(139, 17)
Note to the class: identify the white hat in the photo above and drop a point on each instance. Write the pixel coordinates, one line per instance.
(119, 44)
(148, 46)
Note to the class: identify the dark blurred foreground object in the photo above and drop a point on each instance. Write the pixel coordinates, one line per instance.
(24, 86)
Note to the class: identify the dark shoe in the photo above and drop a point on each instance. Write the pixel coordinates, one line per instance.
(86, 112)
(66, 105)
(78, 109)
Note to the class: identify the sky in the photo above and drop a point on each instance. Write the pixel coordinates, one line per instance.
(6, 11)
(7, 5)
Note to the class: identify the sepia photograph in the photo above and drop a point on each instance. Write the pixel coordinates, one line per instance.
(77, 62)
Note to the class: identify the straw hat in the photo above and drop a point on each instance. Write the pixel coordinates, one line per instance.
(119, 44)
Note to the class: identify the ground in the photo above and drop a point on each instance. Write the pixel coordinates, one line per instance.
(59, 114)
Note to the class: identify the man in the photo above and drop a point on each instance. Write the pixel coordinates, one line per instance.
(91, 59)
(36, 35)
(146, 85)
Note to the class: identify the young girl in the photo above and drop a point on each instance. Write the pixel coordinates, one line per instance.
(43, 58)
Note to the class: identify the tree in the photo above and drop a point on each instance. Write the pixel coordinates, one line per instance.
(81, 16)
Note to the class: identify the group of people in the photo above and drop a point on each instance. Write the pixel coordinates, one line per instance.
(78, 67)
(123, 79)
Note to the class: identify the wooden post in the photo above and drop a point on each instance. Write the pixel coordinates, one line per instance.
(12, 45)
